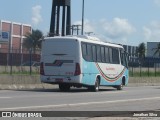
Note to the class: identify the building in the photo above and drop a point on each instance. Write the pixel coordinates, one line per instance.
(131, 50)
(150, 49)
(17, 33)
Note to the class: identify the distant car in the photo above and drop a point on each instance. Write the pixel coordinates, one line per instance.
(33, 63)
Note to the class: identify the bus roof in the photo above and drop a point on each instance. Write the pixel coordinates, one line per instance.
(84, 38)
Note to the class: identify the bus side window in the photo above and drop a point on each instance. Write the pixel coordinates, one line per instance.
(103, 55)
(110, 55)
(94, 53)
(89, 53)
(84, 49)
(124, 59)
(98, 53)
(115, 56)
(107, 57)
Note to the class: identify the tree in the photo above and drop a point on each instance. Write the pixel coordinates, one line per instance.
(157, 50)
(32, 40)
(141, 50)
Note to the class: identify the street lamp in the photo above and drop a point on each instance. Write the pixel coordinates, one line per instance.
(82, 16)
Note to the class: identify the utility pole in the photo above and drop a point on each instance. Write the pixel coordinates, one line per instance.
(75, 28)
(82, 17)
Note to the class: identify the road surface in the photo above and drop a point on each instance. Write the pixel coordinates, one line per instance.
(107, 99)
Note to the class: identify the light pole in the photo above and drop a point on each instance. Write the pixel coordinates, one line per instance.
(75, 27)
(82, 16)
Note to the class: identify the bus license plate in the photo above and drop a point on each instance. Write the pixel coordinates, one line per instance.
(59, 80)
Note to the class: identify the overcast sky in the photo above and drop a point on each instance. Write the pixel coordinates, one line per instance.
(119, 21)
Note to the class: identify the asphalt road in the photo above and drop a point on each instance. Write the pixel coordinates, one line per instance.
(107, 99)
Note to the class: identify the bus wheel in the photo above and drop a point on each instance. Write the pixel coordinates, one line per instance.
(64, 87)
(95, 88)
(120, 87)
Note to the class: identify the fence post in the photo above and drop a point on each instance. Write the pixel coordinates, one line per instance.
(155, 66)
(132, 67)
(148, 68)
(140, 70)
(11, 62)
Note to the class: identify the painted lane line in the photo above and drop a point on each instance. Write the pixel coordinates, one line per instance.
(108, 92)
(2, 91)
(51, 95)
(5, 97)
(80, 104)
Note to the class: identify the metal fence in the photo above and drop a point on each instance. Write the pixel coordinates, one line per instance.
(146, 67)
(19, 61)
(28, 62)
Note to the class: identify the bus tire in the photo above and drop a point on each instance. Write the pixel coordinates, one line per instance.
(95, 87)
(120, 87)
(64, 87)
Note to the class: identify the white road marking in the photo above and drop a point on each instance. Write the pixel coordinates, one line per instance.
(80, 104)
(64, 94)
(5, 97)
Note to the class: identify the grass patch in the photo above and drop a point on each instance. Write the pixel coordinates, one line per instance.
(144, 74)
(19, 73)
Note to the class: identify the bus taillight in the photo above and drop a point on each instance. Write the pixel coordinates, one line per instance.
(77, 70)
(41, 68)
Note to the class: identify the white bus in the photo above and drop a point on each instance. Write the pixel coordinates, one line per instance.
(83, 61)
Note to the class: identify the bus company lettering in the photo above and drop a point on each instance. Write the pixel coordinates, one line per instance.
(109, 68)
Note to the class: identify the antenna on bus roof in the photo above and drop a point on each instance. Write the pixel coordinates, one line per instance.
(86, 37)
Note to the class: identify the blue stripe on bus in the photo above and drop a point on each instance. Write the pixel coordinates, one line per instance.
(58, 63)
(91, 70)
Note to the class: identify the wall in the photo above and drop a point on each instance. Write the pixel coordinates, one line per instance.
(33, 82)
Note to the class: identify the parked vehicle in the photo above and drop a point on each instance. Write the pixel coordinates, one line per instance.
(32, 63)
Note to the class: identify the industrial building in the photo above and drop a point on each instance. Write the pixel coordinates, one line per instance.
(17, 32)
(131, 50)
(151, 49)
